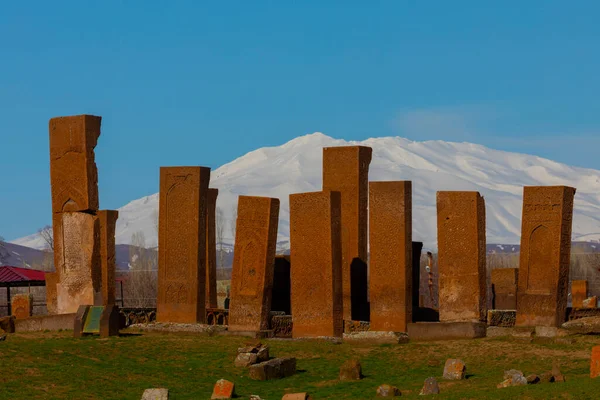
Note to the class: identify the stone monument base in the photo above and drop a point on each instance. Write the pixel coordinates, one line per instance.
(446, 330)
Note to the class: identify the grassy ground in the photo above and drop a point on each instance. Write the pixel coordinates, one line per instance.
(54, 365)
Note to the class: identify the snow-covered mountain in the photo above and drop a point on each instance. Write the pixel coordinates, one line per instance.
(431, 165)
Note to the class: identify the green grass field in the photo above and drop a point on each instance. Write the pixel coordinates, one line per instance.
(56, 366)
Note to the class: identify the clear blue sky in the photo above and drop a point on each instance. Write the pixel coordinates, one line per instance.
(201, 83)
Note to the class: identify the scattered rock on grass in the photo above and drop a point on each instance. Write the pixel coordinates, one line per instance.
(245, 360)
(388, 391)
(546, 377)
(583, 325)
(455, 369)
(558, 376)
(223, 390)
(276, 368)
(156, 394)
(351, 371)
(533, 379)
(513, 377)
(430, 387)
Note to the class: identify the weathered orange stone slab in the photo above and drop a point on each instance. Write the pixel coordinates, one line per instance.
(462, 256)
(595, 363)
(51, 300)
(22, 305)
(504, 288)
(223, 390)
(108, 221)
(79, 262)
(73, 172)
(182, 244)
(315, 238)
(390, 235)
(545, 255)
(211, 249)
(253, 258)
(346, 170)
(579, 291)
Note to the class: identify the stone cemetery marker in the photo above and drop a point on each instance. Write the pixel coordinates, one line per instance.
(390, 234)
(51, 300)
(182, 244)
(545, 255)
(253, 257)
(22, 305)
(108, 221)
(346, 170)
(595, 362)
(504, 288)
(79, 264)
(211, 249)
(462, 256)
(316, 264)
(579, 291)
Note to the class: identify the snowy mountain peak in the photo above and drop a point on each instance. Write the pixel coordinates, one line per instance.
(431, 165)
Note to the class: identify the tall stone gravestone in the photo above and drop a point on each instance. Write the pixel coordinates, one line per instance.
(545, 255)
(253, 257)
(504, 288)
(211, 249)
(462, 256)
(315, 239)
(390, 233)
(182, 244)
(346, 170)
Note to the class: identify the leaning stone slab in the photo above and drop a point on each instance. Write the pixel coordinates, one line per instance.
(276, 368)
(583, 325)
(455, 369)
(377, 337)
(156, 394)
(223, 390)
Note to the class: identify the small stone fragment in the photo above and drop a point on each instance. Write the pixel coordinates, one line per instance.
(276, 368)
(430, 387)
(156, 394)
(558, 376)
(546, 377)
(296, 396)
(455, 369)
(591, 302)
(244, 360)
(223, 390)
(351, 371)
(513, 377)
(388, 391)
(255, 397)
(533, 379)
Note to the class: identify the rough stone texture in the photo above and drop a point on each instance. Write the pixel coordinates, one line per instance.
(390, 264)
(380, 337)
(595, 362)
(296, 396)
(109, 321)
(22, 305)
(351, 370)
(315, 233)
(583, 325)
(455, 369)
(182, 244)
(79, 320)
(430, 387)
(579, 291)
(513, 377)
(252, 354)
(223, 390)
(156, 394)
(7, 324)
(276, 368)
(211, 249)
(388, 391)
(79, 262)
(590, 302)
(346, 170)
(107, 221)
(504, 288)
(462, 256)
(550, 331)
(533, 379)
(503, 318)
(446, 330)
(73, 172)
(51, 295)
(45, 323)
(244, 360)
(281, 300)
(546, 377)
(545, 255)
(253, 258)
